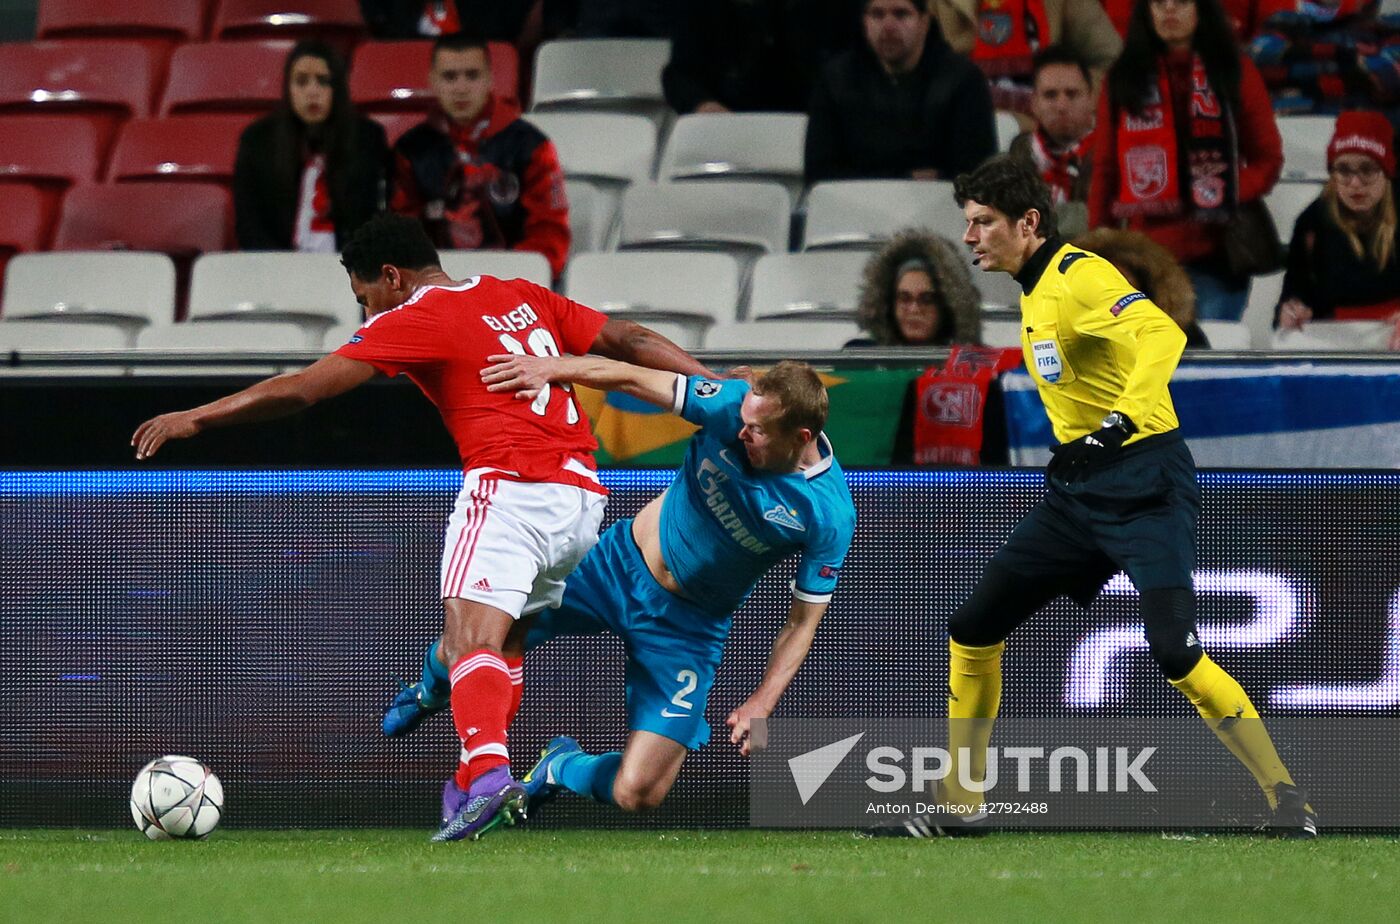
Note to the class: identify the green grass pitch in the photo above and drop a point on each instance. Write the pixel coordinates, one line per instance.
(679, 876)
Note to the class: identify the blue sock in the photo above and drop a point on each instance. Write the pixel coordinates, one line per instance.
(437, 682)
(589, 775)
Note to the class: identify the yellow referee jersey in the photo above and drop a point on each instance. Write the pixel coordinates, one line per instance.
(1095, 344)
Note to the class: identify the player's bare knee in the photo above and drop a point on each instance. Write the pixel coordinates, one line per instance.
(638, 794)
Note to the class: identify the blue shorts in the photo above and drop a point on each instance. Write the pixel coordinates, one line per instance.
(673, 647)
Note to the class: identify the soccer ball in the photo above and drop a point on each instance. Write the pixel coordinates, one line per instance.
(176, 796)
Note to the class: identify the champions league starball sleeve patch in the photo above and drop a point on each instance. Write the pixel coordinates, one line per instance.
(1124, 302)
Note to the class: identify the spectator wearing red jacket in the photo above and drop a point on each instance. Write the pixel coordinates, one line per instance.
(1185, 136)
(477, 175)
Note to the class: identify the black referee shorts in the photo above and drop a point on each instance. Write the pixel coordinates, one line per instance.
(1135, 514)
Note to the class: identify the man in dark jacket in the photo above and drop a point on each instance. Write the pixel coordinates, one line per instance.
(904, 106)
(475, 173)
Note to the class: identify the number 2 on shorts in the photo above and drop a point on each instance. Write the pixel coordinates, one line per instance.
(688, 680)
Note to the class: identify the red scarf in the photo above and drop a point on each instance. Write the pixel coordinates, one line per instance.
(948, 422)
(1009, 33)
(1060, 170)
(1152, 157)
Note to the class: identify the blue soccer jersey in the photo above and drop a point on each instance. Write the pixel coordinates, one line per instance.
(724, 524)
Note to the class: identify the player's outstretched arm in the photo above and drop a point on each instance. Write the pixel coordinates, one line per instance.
(790, 649)
(278, 396)
(630, 342)
(526, 375)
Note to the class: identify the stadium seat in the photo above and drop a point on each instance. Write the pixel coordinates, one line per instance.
(745, 219)
(219, 77)
(104, 82)
(178, 219)
(197, 147)
(591, 214)
(310, 290)
(1264, 292)
(335, 21)
(171, 20)
(864, 214)
(733, 146)
(1007, 129)
(1001, 333)
(51, 337)
(782, 336)
(245, 337)
(503, 264)
(127, 291)
(606, 169)
(1227, 335)
(396, 123)
(1305, 140)
(1336, 335)
(25, 221)
(393, 76)
(55, 150)
(617, 75)
(815, 285)
(1286, 202)
(679, 294)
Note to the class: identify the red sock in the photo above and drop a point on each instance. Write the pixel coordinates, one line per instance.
(516, 666)
(481, 697)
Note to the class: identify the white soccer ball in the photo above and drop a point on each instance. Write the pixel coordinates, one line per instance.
(176, 796)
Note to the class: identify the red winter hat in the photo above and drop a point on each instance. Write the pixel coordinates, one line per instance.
(1366, 133)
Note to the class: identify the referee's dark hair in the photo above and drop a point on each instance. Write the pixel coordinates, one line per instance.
(1011, 186)
(388, 239)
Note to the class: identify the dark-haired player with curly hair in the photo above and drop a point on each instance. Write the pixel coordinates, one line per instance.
(530, 504)
(1121, 492)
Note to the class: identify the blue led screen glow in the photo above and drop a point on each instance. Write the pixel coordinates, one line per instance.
(259, 620)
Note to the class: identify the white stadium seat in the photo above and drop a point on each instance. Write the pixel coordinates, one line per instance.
(591, 214)
(244, 337)
(503, 264)
(601, 146)
(617, 75)
(864, 214)
(1007, 130)
(1336, 335)
(820, 284)
(678, 294)
(123, 290)
(1227, 335)
(311, 290)
(1001, 333)
(1264, 292)
(739, 218)
(49, 336)
(1286, 201)
(741, 145)
(777, 336)
(1305, 140)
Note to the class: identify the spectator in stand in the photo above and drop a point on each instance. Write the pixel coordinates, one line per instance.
(753, 55)
(1152, 270)
(1060, 145)
(311, 172)
(1185, 137)
(477, 175)
(1326, 57)
(495, 20)
(1003, 36)
(1245, 16)
(1342, 263)
(902, 106)
(917, 291)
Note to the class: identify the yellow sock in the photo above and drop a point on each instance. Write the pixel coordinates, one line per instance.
(974, 696)
(1225, 706)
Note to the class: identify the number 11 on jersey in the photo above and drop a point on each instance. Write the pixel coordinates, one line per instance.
(541, 343)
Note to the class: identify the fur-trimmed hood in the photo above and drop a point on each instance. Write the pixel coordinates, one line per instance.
(960, 304)
(1150, 266)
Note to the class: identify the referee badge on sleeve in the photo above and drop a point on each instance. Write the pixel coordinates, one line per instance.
(1047, 360)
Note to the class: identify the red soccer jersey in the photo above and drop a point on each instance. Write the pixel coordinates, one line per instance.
(441, 337)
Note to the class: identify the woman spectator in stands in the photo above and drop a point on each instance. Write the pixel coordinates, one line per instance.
(1342, 262)
(1152, 270)
(312, 171)
(917, 291)
(1186, 136)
